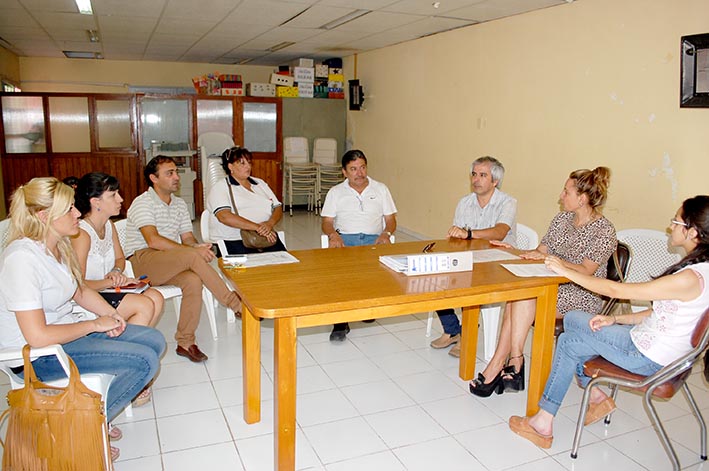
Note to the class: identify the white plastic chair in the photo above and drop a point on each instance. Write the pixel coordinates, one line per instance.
(4, 228)
(97, 382)
(325, 151)
(651, 254)
(171, 291)
(204, 229)
(527, 239)
(212, 143)
(300, 176)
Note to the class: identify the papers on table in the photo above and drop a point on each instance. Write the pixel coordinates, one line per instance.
(262, 259)
(527, 270)
(492, 255)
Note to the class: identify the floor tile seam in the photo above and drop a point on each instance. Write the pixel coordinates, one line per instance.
(164, 388)
(187, 413)
(446, 432)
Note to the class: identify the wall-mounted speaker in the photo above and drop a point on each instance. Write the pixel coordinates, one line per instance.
(356, 95)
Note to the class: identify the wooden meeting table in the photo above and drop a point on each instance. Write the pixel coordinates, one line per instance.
(349, 284)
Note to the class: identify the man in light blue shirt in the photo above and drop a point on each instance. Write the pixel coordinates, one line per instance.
(486, 213)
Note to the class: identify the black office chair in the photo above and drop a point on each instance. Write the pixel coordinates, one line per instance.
(618, 267)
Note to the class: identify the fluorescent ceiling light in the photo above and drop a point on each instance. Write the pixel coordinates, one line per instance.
(280, 46)
(84, 7)
(345, 19)
(83, 55)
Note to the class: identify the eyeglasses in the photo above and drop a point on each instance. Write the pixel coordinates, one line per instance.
(679, 223)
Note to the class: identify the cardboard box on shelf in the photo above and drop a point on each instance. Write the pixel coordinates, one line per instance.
(335, 71)
(321, 70)
(232, 92)
(287, 92)
(335, 85)
(337, 95)
(304, 74)
(230, 78)
(303, 62)
(320, 91)
(283, 80)
(305, 90)
(232, 84)
(260, 89)
(335, 78)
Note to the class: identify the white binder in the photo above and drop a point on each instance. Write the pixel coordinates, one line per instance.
(429, 263)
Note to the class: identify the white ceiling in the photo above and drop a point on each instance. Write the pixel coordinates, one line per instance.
(235, 31)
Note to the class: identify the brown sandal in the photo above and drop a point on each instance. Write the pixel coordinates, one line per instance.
(521, 426)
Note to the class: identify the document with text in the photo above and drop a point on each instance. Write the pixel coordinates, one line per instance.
(527, 270)
(492, 255)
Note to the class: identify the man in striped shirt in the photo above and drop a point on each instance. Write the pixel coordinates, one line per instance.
(161, 245)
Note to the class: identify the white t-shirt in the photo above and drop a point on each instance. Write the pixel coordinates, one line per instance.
(256, 205)
(357, 213)
(31, 278)
(666, 334)
(101, 257)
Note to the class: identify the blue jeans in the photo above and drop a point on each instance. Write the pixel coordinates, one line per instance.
(579, 344)
(354, 240)
(449, 321)
(133, 357)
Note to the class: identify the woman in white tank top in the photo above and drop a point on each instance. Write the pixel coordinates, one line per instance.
(100, 254)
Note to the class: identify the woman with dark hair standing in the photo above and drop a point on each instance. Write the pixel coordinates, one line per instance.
(241, 201)
(99, 252)
(641, 342)
(584, 239)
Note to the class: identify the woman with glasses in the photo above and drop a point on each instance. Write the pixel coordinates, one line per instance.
(641, 342)
(242, 201)
(584, 239)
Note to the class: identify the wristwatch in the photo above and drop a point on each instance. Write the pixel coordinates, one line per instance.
(470, 234)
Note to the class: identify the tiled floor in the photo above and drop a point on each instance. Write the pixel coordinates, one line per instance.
(382, 400)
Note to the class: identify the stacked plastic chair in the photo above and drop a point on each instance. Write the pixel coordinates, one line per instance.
(300, 176)
(211, 146)
(329, 172)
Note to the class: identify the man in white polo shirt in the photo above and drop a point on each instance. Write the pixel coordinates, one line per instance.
(358, 211)
(486, 213)
(161, 245)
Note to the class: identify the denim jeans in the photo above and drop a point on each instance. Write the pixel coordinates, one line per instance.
(353, 240)
(579, 344)
(133, 357)
(449, 321)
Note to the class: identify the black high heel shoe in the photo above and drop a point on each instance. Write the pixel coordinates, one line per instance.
(485, 390)
(512, 380)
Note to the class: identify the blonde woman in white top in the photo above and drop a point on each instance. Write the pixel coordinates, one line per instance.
(100, 254)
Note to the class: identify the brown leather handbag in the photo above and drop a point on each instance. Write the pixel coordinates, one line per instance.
(54, 429)
(251, 238)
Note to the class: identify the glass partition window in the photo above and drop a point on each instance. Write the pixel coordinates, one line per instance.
(165, 122)
(23, 120)
(114, 124)
(260, 127)
(69, 123)
(215, 116)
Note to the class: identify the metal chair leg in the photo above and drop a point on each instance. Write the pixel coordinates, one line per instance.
(700, 419)
(659, 428)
